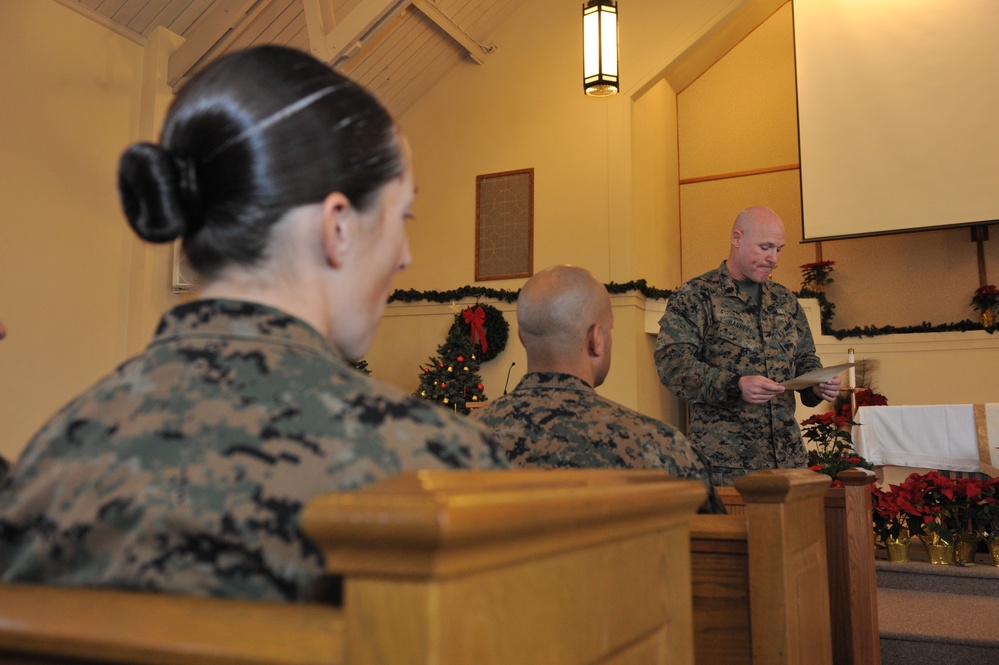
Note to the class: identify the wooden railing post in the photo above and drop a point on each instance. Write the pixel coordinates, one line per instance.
(852, 576)
(428, 558)
(788, 577)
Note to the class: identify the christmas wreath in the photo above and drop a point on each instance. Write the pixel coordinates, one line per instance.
(486, 326)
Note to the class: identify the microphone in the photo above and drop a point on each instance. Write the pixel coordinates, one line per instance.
(505, 385)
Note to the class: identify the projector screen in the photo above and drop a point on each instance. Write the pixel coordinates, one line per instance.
(898, 114)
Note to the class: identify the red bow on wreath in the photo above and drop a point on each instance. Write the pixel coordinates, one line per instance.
(476, 319)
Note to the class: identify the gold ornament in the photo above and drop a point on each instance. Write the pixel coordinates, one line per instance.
(445, 400)
(423, 393)
(465, 368)
(475, 398)
(450, 369)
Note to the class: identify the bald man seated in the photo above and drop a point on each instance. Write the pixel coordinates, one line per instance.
(554, 418)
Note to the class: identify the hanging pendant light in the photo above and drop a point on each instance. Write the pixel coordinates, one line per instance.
(600, 75)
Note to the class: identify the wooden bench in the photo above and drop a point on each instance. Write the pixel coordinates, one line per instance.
(450, 568)
(849, 557)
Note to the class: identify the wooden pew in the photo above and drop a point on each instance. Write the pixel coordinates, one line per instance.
(449, 568)
(760, 581)
(850, 560)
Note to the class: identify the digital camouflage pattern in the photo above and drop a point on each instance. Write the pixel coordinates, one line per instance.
(711, 333)
(186, 469)
(553, 420)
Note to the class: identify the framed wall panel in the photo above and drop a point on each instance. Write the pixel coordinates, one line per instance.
(504, 225)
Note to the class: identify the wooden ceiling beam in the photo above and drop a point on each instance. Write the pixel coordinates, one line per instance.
(217, 27)
(476, 51)
(346, 38)
(320, 19)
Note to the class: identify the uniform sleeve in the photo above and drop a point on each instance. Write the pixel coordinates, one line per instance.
(684, 461)
(805, 358)
(680, 350)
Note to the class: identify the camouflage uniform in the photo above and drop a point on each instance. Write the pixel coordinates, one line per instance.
(712, 333)
(554, 420)
(186, 469)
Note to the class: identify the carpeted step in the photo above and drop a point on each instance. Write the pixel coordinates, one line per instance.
(924, 627)
(977, 580)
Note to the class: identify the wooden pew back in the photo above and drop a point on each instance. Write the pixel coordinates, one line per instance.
(760, 581)
(574, 566)
(850, 559)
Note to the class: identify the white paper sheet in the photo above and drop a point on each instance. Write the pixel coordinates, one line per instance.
(815, 377)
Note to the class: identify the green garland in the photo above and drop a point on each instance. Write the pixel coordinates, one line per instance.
(826, 308)
(505, 295)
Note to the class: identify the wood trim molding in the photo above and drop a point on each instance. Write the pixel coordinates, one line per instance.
(739, 174)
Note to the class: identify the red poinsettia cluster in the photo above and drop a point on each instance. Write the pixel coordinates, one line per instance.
(863, 397)
(932, 503)
(832, 444)
(814, 276)
(986, 298)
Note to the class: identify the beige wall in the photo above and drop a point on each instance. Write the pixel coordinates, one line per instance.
(67, 86)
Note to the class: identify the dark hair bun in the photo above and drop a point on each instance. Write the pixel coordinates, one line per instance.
(157, 192)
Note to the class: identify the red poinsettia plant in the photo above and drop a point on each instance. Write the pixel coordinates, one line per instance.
(977, 505)
(815, 276)
(892, 512)
(831, 449)
(985, 299)
(936, 498)
(863, 397)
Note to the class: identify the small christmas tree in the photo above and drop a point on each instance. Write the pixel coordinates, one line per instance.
(452, 376)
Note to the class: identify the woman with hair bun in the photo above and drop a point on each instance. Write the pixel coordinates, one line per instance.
(186, 469)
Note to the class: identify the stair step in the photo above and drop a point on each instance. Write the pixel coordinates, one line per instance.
(977, 580)
(923, 627)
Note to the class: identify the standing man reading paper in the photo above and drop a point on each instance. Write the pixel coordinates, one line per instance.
(727, 341)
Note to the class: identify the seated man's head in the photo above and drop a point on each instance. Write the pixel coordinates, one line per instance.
(565, 321)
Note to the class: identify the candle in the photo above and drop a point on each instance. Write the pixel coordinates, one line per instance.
(852, 374)
(852, 371)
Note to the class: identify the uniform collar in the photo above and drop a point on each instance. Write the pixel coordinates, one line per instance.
(553, 381)
(238, 319)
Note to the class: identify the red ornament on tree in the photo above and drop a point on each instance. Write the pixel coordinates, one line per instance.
(480, 387)
(461, 359)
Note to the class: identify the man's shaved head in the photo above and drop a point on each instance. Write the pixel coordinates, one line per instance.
(556, 310)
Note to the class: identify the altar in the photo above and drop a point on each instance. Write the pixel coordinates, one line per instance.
(954, 437)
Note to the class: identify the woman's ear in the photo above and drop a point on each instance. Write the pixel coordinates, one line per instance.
(337, 228)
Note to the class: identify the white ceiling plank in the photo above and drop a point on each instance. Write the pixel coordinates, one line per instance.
(351, 29)
(276, 24)
(220, 21)
(189, 17)
(320, 19)
(476, 51)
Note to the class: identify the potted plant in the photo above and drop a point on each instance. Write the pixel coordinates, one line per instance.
(831, 449)
(815, 276)
(985, 301)
(941, 508)
(891, 513)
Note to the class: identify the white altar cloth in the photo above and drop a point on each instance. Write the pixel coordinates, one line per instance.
(929, 437)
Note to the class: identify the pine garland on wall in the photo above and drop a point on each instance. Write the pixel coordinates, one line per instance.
(826, 308)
